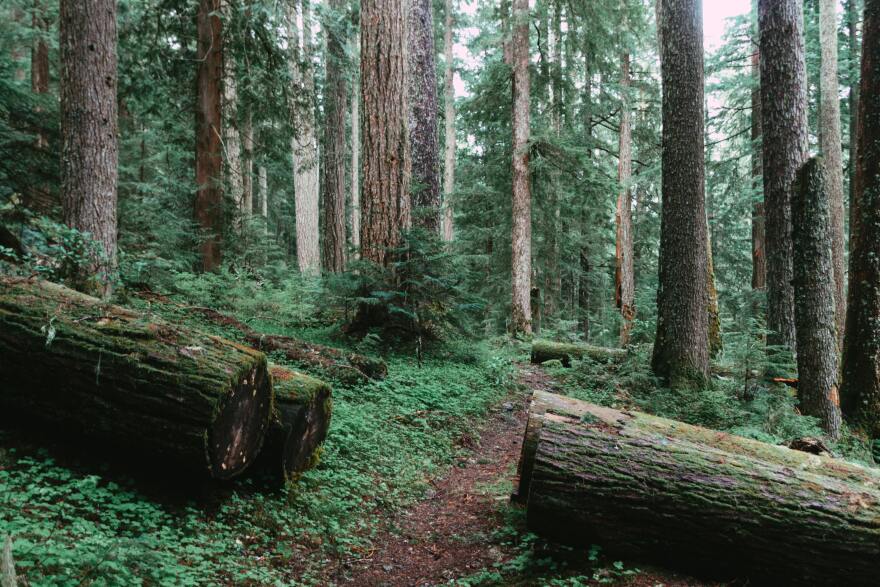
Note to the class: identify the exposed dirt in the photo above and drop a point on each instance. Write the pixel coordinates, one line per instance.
(449, 534)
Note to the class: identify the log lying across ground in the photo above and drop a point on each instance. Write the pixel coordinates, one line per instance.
(664, 491)
(138, 382)
(300, 421)
(545, 350)
(347, 367)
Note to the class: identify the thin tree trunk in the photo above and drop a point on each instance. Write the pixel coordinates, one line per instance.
(759, 257)
(814, 297)
(852, 20)
(681, 349)
(335, 103)
(553, 282)
(385, 205)
(304, 143)
(521, 266)
(355, 203)
(860, 393)
(208, 208)
(247, 179)
(89, 131)
(424, 142)
(584, 251)
(232, 149)
(449, 130)
(624, 275)
(40, 198)
(263, 180)
(785, 136)
(830, 143)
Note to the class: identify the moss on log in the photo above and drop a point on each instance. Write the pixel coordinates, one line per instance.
(137, 381)
(707, 501)
(545, 350)
(300, 422)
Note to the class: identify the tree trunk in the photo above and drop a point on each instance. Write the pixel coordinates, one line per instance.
(335, 104)
(658, 490)
(860, 393)
(122, 376)
(521, 245)
(545, 350)
(263, 181)
(208, 208)
(304, 142)
(232, 143)
(624, 275)
(247, 173)
(449, 129)
(424, 142)
(385, 205)
(830, 143)
(584, 250)
(785, 136)
(852, 19)
(681, 349)
(817, 356)
(553, 275)
(759, 258)
(716, 343)
(40, 198)
(355, 203)
(299, 424)
(89, 131)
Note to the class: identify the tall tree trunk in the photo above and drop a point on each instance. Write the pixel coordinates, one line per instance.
(355, 187)
(860, 393)
(759, 257)
(521, 246)
(247, 174)
(385, 205)
(852, 22)
(335, 104)
(813, 236)
(304, 143)
(40, 198)
(449, 121)
(553, 282)
(208, 208)
(232, 150)
(263, 181)
(424, 142)
(681, 349)
(89, 131)
(624, 275)
(785, 136)
(584, 251)
(830, 143)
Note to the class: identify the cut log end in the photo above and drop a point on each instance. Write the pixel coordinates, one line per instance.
(302, 448)
(237, 434)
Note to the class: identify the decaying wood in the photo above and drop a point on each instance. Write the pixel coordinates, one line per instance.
(545, 350)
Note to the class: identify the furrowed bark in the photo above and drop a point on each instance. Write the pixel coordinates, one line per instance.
(124, 377)
(624, 272)
(759, 256)
(817, 357)
(448, 221)
(299, 425)
(664, 491)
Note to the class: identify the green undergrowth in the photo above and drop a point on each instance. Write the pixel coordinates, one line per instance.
(79, 525)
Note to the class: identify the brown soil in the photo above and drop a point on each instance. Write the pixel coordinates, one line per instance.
(452, 533)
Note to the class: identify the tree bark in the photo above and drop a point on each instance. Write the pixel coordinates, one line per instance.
(681, 348)
(785, 136)
(852, 19)
(830, 144)
(658, 490)
(624, 275)
(335, 104)
(545, 350)
(299, 424)
(521, 246)
(89, 131)
(385, 198)
(304, 143)
(860, 393)
(355, 203)
(817, 356)
(122, 376)
(232, 140)
(424, 142)
(584, 249)
(759, 257)
(208, 208)
(449, 151)
(247, 173)
(263, 186)
(40, 198)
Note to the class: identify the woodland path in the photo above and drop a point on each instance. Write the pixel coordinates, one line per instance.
(449, 534)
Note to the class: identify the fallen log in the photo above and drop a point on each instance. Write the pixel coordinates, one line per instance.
(351, 368)
(300, 422)
(545, 350)
(658, 490)
(135, 381)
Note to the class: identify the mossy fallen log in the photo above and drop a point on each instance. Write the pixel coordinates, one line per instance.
(300, 422)
(545, 350)
(344, 366)
(133, 380)
(706, 501)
